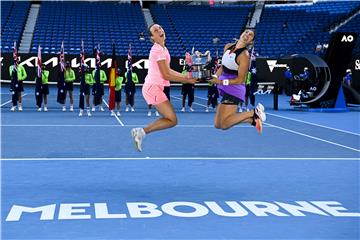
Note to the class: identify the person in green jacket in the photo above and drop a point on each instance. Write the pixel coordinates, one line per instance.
(69, 80)
(118, 86)
(213, 95)
(247, 83)
(45, 87)
(103, 79)
(89, 81)
(21, 76)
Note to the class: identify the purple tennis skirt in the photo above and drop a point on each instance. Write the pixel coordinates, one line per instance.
(237, 90)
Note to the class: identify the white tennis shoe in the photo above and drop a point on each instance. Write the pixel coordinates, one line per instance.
(138, 135)
(260, 112)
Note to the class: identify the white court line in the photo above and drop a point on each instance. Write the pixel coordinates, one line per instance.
(113, 125)
(314, 124)
(301, 121)
(180, 158)
(193, 102)
(3, 104)
(312, 137)
(117, 118)
(201, 98)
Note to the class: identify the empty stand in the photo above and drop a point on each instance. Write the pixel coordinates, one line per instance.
(305, 26)
(13, 19)
(94, 22)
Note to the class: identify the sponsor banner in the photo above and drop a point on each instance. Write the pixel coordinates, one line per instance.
(51, 61)
(272, 70)
(267, 69)
(265, 88)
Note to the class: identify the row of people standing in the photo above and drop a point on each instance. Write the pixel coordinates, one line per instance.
(187, 91)
(69, 78)
(130, 90)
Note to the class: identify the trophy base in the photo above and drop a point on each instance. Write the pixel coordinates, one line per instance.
(203, 75)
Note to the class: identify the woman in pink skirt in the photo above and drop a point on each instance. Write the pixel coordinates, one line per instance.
(158, 76)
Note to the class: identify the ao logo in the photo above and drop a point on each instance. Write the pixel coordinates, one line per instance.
(349, 38)
(357, 64)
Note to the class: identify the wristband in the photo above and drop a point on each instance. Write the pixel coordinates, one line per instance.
(225, 82)
(214, 76)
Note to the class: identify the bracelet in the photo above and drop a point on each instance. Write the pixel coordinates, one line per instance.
(225, 82)
(214, 76)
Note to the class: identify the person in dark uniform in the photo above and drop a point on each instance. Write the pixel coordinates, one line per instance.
(19, 88)
(230, 80)
(69, 80)
(348, 78)
(213, 93)
(89, 82)
(187, 89)
(118, 85)
(45, 87)
(288, 81)
(305, 75)
(305, 78)
(213, 96)
(167, 92)
(250, 84)
(103, 79)
(130, 90)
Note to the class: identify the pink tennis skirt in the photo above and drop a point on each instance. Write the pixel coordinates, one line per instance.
(153, 94)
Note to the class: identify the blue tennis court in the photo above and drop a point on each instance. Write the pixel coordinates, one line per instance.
(66, 177)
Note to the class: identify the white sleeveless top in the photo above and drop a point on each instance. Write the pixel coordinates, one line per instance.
(229, 59)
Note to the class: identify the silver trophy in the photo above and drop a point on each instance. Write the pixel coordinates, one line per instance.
(199, 64)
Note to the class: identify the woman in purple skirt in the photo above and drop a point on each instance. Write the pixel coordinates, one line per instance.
(230, 81)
